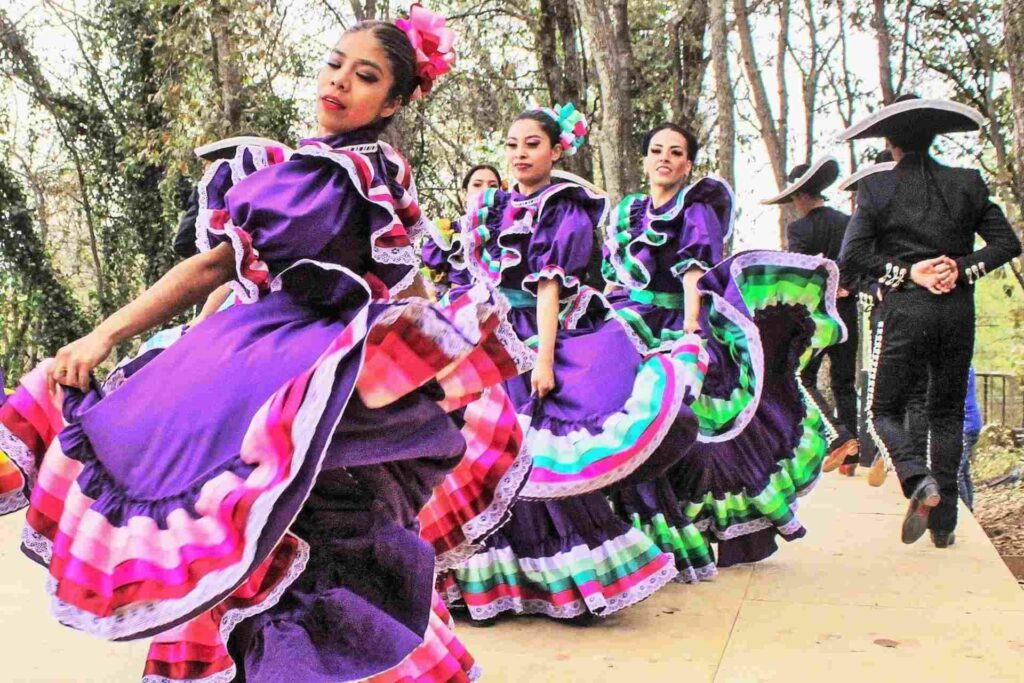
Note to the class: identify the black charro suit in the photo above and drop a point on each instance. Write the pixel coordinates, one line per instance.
(821, 231)
(918, 211)
(185, 239)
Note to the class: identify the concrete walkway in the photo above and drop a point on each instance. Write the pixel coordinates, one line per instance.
(847, 603)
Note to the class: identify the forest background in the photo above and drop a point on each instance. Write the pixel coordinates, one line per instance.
(109, 97)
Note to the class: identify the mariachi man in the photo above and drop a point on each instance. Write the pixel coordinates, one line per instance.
(914, 231)
(820, 230)
(869, 295)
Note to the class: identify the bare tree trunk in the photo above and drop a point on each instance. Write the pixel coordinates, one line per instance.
(904, 49)
(774, 142)
(228, 75)
(27, 69)
(364, 10)
(568, 32)
(810, 81)
(725, 99)
(766, 121)
(545, 37)
(846, 98)
(1013, 26)
(555, 35)
(884, 42)
(771, 134)
(607, 26)
(689, 62)
(675, 30)
(781, 47)
(1007, 162)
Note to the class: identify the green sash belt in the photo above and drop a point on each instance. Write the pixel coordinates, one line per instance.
(674, 300)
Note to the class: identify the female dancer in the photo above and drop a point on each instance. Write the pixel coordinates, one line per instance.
(758, 314)
(442, 246)
(248, 496)
(594, 411)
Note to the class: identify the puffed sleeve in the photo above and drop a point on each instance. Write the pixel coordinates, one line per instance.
(276, 215)
(561, 245)
(440, 245)
(700, 241)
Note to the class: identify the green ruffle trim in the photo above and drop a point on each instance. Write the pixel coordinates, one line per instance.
(566, 571)
(795, 476)
(762, 287)
(687, 545)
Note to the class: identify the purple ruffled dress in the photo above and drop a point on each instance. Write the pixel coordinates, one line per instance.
(249, 494)
(612, 416)
(443, 257)
(761, 438)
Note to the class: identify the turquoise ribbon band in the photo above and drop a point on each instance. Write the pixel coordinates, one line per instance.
(518, 298)
(674, 300)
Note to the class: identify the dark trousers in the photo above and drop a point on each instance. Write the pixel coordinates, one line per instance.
(923, 340)
(916, 414)
(842, 372)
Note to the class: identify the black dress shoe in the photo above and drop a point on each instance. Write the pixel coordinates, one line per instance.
(588, 618)
(922, 500)
(943, 539)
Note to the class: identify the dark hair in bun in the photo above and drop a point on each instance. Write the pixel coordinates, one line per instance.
(692, 145)
(400, 54)
(479, 167)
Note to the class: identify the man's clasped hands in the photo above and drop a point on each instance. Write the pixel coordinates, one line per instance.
(937, 275)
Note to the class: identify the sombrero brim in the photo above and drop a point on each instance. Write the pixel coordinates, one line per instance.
(225, 149)
(938, 116)
(850, 183)
(573, 178)
(819, 176)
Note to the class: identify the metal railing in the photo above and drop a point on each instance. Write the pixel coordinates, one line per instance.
(1001, 399)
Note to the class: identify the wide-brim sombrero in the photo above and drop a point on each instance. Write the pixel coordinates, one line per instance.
(226, 148)
(559, 174)
(936, 116)
(814, 180)
(850, 182)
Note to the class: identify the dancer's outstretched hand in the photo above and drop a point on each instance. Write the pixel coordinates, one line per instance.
(691, 326)
(542, 379)
(74, 363)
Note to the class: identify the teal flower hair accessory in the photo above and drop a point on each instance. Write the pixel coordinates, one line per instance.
(572, 124)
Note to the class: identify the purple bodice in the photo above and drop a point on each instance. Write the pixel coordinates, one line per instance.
(343, 202)
(651, 248)
(517, 240)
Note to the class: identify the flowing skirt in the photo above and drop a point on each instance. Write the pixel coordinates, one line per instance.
(261, 474)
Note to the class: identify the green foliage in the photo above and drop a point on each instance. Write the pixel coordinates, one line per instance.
(37, 311)
(143, 92)
(999, 304)
(143, 82)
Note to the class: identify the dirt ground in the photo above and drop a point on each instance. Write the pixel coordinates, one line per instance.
(1000, 511)
(999, 497)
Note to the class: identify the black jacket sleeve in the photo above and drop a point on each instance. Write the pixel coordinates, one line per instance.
(860, 254)
(798, 236)
(185, 240)
(1001, 244)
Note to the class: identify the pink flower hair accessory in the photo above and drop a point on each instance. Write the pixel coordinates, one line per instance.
(432, 40)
